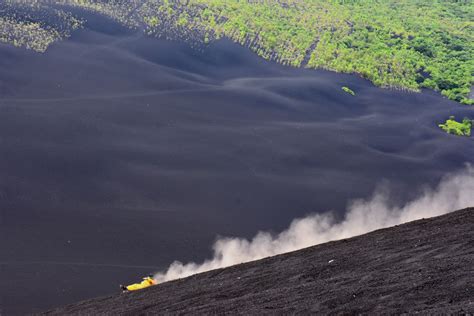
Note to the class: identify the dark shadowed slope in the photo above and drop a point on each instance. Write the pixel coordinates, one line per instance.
(423, 266)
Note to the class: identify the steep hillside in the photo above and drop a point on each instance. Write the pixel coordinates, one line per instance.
(423, 266)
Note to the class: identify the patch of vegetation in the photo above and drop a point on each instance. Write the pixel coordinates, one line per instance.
(348, 90)
(401, 44)
(34, 27)
(457, 128)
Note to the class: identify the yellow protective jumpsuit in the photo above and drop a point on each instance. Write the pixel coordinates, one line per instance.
(147, 282)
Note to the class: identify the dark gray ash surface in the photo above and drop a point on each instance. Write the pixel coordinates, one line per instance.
(120, 154)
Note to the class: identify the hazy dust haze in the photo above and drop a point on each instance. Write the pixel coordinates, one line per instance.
(454, 192)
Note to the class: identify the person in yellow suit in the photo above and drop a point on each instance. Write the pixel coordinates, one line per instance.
(147, 282)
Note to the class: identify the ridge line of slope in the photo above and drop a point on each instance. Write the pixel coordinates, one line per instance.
(425, 262)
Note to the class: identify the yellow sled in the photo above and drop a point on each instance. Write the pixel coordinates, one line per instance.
(147, 282)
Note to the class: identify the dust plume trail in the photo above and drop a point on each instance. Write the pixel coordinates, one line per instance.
(455, 191)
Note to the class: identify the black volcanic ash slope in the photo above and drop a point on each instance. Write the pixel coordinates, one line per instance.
(423, 266)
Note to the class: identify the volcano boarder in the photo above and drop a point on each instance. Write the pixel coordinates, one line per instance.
(147, 282)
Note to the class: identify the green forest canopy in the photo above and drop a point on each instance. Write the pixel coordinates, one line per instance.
(403, 44)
